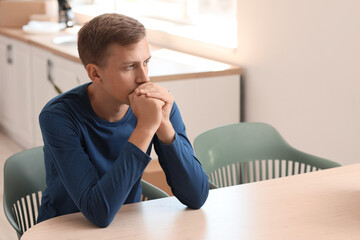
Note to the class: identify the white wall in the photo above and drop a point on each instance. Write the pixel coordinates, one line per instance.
(301, 62)
(302, 70)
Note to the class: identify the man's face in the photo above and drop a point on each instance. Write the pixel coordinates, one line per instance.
(126, 68)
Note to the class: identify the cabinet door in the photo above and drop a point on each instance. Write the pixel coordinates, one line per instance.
(68, 74)
(43, 90)
(21, 91)
(7, 85)
(4, 69)
(206, 103)
(15, 101)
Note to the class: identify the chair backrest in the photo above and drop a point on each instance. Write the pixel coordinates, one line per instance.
(24, 182)
(150, 192)
(248, 152)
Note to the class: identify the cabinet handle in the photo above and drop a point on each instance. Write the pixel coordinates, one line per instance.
(49, 71)
(50, 76)
(9, 54)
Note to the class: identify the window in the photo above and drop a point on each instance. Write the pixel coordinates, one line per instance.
(209, 21)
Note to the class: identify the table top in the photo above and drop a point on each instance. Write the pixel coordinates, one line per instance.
(317, 205)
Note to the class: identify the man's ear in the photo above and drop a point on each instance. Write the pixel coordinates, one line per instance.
(93, 72)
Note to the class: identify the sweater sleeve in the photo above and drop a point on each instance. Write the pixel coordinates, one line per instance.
(99, 199)
(184, 173)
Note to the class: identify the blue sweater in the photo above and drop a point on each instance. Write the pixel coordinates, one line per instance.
(91, 167)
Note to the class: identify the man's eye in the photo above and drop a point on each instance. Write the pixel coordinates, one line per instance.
(146, 62)
(132, 66)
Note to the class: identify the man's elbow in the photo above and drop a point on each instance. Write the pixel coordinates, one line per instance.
(100, 219)
(198, 198)
(101, 222)
(198, 201)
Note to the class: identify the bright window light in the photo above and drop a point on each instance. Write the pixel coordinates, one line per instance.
(210, 21)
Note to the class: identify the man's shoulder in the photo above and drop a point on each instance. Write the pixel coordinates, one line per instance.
(73, 100)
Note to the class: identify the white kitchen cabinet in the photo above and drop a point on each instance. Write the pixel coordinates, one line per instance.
(16, 90)
(49, 71)
(3, 77)
(206, 103)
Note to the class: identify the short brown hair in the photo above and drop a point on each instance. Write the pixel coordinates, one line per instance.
(96, 35)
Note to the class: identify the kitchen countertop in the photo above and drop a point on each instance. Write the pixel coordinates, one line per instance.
(165, 64)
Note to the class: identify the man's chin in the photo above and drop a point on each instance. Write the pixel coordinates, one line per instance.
(128, 99)
(127, 102)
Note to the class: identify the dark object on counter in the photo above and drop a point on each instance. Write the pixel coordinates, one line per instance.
(66, 15)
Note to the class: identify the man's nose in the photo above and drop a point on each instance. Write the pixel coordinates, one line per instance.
(142, 76)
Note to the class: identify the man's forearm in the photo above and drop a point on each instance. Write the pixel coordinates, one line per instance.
(166, 132)
(141, 137)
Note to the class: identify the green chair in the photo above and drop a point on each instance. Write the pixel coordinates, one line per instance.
(24, 182)
(150, 192)
(249, 152)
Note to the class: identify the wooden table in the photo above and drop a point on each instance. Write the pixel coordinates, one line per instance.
(318, 205)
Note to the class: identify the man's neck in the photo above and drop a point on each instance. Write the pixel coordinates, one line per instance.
(104, 106)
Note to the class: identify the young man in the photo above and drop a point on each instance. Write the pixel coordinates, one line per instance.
(98, 136)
